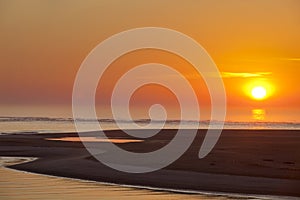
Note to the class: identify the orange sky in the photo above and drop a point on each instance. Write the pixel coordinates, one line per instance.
(42, 44)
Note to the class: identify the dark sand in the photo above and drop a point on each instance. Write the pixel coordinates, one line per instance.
(243, 161)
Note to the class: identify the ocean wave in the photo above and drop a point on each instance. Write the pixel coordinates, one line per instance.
(227, 124)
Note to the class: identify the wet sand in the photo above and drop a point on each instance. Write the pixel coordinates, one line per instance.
(21, 185)
(243, 161)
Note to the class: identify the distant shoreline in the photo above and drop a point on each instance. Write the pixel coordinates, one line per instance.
(262, 162)
(55, 124)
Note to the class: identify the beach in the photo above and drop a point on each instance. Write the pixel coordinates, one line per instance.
(265, 162)
(19, 185)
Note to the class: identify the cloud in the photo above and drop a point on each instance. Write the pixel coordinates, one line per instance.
(207, 74)
(244, 74)
(290, 59)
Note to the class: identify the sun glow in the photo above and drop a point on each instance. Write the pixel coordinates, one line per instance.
(259, 92)
(259, 89)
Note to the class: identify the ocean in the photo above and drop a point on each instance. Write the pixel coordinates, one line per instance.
(52, 124)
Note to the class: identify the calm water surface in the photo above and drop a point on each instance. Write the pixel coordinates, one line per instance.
(22, 185)
(56, 125)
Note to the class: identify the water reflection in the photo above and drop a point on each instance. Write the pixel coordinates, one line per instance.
(93, 139)
(258, 114)
(18, 185)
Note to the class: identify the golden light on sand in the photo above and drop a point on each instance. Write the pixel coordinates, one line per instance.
(259, 92)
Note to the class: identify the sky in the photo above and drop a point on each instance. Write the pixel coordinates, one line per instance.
(43, 43)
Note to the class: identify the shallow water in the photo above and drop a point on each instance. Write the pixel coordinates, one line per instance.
(93, 139)
(21, 185)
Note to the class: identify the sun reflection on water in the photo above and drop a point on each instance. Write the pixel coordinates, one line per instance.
(258, 114)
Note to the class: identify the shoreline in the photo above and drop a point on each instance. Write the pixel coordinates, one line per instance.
(62, 160)
(175, 191)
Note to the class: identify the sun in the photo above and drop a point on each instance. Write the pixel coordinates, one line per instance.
(259, 92)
